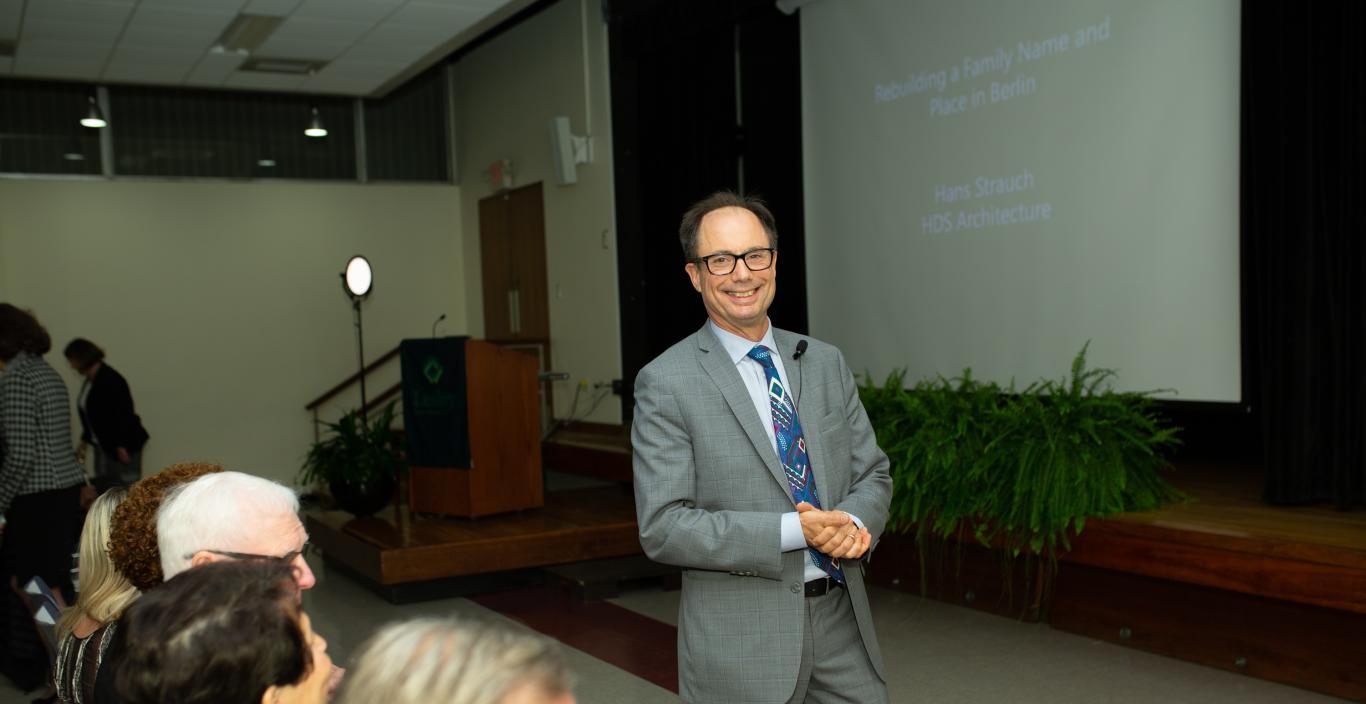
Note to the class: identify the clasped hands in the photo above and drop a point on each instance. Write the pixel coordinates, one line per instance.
(833, 532)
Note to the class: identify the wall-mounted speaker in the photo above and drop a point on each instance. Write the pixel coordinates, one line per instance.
(568, 150)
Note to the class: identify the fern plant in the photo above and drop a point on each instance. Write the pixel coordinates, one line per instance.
(358, 459)
(1017, 470)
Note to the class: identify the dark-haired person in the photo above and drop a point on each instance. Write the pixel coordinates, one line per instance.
(108, 420)
(40, 480)
(757, 471)
(225, 633)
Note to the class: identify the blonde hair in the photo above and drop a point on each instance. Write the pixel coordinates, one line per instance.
(105, 592)
(452, 661)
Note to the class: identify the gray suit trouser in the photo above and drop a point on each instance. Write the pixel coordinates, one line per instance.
(835, 665)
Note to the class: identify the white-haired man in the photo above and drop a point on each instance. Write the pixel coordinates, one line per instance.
(231, 516)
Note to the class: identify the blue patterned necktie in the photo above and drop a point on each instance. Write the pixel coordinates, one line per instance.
(792, 450)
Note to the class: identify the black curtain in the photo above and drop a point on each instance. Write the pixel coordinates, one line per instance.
(706, 95)
(1304, 129)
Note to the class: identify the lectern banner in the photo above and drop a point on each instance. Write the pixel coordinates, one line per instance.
(435, 412)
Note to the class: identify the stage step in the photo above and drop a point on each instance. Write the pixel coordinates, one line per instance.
(596, 450)
(603, 579)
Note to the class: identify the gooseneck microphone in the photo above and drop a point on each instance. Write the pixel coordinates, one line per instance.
(797, 357)
(436, 322)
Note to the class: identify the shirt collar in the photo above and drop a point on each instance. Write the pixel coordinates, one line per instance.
(738, 347)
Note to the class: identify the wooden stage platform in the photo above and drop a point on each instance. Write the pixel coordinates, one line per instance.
(407, 557)
(1223, 580)
(1278, 593)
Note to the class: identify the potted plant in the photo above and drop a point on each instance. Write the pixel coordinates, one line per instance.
(1017, 472)
(359, 460)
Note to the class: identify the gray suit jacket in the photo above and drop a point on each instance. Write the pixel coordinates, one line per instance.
(709, 496)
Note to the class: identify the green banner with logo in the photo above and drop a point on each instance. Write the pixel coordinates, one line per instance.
(435, 412)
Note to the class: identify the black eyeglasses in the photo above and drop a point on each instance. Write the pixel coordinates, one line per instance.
(723, 263)
(286, 559)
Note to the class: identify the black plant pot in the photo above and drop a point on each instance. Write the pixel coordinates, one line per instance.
(364, 500)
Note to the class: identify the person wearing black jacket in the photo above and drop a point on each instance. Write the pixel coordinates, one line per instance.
(108, 420)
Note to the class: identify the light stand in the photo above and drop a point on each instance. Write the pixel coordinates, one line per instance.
(357, 279)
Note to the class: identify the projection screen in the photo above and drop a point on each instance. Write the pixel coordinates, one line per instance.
(992, 184)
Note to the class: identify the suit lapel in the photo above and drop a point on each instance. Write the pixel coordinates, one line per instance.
(723, 373)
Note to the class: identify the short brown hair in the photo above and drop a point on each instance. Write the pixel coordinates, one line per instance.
(20, 331)
(692, 220)
(133, 529)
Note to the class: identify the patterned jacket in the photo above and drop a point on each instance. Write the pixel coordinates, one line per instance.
(35, 430)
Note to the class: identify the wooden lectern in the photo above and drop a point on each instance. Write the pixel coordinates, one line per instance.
(504, 441)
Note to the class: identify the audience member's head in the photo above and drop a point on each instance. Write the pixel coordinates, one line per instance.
(21, 332)
(83, 354)
(456, 661)
(133, 531)
(105, 592)
(227, 633)
(231, 516)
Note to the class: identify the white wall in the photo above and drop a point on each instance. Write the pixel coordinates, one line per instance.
(506, 92)
(220, 301)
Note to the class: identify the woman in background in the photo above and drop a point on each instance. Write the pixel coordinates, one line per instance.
(108, 421)
(223, 633)
(85, 631)
(456, 661)
(40, 485)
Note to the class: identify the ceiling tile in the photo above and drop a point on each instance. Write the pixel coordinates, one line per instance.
(57, 68)
(277, 48)
(267, 81)
(275, 8)
(54, 51)
(353, 77)
(387, 53)
(184, 58)
(319, 30)
(70, 31)
(153, 37)
(369, 11)
(395, 34)
(361, 69)
(82, 11)
(214, 68)
(177, 18)
(341, 86)
(176, 28)
(144, 73)
(233, 6)
(10, 12)
(6, 63)
(482, 6)
(454, 18)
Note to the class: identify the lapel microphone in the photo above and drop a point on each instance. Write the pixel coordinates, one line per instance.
(797, 357)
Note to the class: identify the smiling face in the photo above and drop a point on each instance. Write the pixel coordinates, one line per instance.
(737, 302)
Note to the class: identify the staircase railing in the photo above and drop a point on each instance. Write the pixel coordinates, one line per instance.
(348, 382)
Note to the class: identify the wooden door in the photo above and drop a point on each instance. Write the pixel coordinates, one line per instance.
(512, 253)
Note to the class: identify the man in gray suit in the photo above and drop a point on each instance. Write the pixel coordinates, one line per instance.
(757, 471)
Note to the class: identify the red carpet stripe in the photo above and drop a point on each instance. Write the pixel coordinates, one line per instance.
(637, 644)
